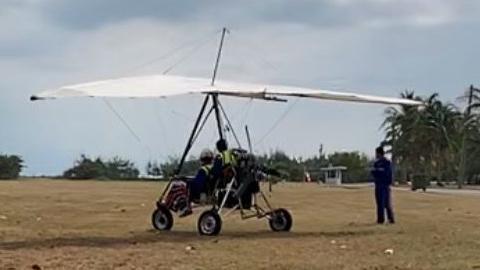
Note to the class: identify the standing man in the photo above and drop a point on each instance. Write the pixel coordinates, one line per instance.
(382, 175)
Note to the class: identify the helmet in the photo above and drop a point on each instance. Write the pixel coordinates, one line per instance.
(206, 154)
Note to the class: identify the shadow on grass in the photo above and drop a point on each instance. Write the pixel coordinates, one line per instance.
(151, 236)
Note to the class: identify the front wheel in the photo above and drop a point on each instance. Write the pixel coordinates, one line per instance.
(209, 223)
(280, 220)
(162, 219)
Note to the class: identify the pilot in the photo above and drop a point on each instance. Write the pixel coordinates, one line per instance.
(225, 162)
(382, 175)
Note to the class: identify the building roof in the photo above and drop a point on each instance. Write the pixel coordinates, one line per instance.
(334, 168)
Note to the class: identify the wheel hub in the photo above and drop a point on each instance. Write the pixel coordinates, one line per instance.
(161, 220)
(279, 221)
(208, 224)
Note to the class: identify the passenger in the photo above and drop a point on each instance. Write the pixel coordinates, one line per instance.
(182, 193)
(201, 184)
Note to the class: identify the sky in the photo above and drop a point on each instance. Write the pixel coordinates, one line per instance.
(380, 47)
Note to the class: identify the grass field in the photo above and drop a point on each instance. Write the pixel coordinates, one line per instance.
(106, 225)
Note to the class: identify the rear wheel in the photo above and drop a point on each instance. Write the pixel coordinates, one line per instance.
(280, 220)
(162, 219)
(209, 223)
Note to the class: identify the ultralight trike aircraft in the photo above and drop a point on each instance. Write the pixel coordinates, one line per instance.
(241, 191)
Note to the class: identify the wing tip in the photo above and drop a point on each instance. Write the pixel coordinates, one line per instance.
(35, 98)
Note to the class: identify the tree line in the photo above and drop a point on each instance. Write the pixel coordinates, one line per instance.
(291, 168)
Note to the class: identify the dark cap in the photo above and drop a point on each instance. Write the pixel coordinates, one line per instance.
(222, 145)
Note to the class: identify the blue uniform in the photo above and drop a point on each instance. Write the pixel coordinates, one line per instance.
(199, 183)
(382, 175)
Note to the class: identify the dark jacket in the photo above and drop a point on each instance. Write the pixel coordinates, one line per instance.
(382, 172)
(200, 182)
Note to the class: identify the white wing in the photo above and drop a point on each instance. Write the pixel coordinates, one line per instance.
(164, 86)
(131, 87)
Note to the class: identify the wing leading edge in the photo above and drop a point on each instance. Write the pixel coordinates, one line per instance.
(161, 86)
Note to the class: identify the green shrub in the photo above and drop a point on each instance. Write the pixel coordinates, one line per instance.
(116, 168)
(10, 166)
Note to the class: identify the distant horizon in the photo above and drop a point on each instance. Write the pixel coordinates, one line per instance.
(190, 157)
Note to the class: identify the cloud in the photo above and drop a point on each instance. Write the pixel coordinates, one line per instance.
(319, 13)
(373, 46)
(91, 14)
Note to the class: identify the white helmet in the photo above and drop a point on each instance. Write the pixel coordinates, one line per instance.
(206, 154)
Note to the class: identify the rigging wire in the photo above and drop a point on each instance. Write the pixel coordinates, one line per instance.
(277, 122)
(187, 55)
(247, 111)
(242, 113)
(239, 116)
(245, 118)
(256, 52)
(163, 128)
(172, 52)
(122, 120)
(200, 42)
(229, 125)
(125, 123)
(183, 116)
(174, 113)
(202, 124)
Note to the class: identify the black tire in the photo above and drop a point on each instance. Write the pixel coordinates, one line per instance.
(162, 219)
(209, 223)
(280, 220)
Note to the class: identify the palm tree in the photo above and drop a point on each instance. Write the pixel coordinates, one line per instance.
(474, 103)
(400, 126)
(424, 141)
(470, 152)
(443, 134)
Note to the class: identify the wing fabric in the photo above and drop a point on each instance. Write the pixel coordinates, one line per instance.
(131, 87)
(159, 86)
(273, 91)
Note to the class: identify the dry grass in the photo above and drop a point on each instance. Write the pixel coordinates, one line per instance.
(106, 225)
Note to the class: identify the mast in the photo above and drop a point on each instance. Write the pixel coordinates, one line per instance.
(215, 96)
(219, 55)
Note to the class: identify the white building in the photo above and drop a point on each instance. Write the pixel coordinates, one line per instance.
(333, 174)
